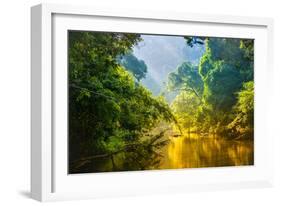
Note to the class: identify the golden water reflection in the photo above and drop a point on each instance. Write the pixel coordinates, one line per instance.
(194, 151)
(190, 151)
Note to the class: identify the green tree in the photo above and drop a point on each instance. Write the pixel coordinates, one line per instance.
(224, 68)
(243, 122)
(185, 108)
(186, 78)
(137, 67)
(108, 112)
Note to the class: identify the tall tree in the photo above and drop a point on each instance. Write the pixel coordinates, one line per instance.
(107, 110)
(243, 123)
(224, 68)
(136, 66)
(185, 107)
(186, 78)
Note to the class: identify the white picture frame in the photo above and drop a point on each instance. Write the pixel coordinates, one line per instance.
(49, 178)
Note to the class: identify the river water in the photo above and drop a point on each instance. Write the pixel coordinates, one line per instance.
(193, 151)
(190, 151)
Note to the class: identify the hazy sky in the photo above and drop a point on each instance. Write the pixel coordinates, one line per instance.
(162, 55)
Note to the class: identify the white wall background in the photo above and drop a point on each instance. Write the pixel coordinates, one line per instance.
(15, 101)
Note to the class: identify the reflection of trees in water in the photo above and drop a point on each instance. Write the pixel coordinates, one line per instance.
(195, 152)
(189, 151)
(139, 155)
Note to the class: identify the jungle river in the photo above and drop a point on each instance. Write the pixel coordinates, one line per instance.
(193, 151)
(186, 151)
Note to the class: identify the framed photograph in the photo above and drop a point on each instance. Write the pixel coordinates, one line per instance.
(136, 102)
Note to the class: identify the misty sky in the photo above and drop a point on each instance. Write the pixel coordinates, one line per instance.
(162, 55)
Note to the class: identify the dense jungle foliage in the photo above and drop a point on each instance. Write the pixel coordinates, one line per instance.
(108, 110)
(217, 95)
(112, 115)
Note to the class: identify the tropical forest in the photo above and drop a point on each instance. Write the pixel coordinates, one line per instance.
(149, 102)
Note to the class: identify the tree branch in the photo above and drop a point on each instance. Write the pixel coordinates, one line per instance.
(91, 91)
